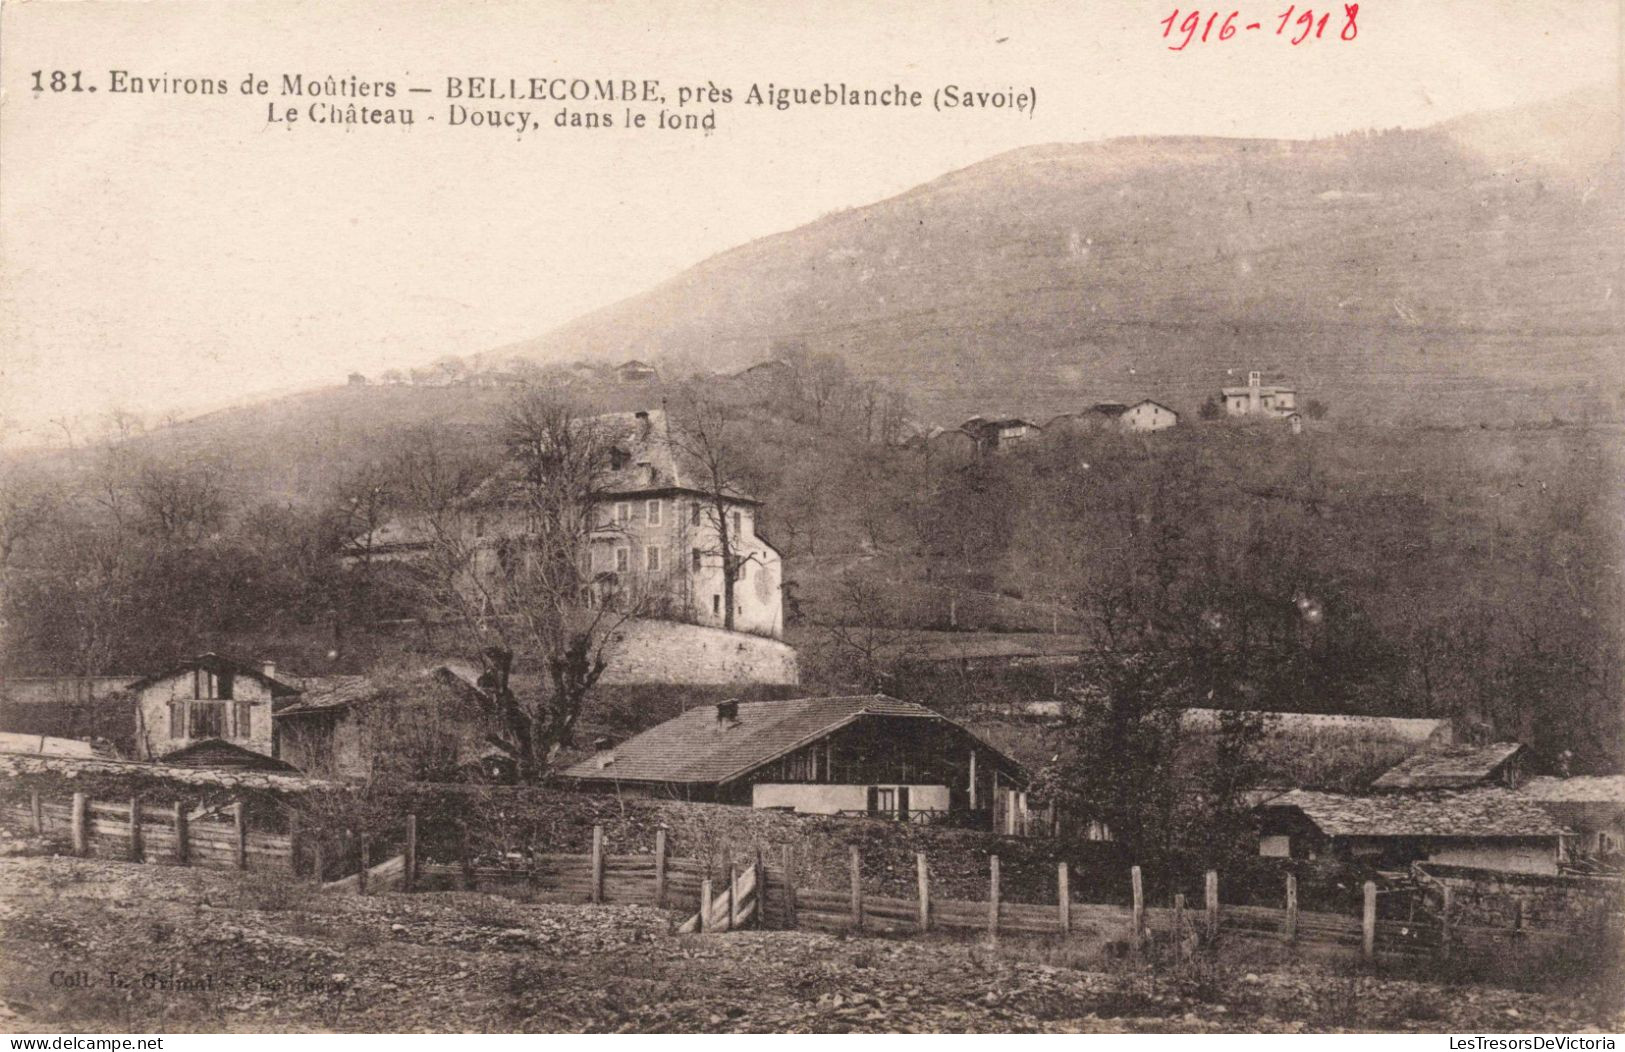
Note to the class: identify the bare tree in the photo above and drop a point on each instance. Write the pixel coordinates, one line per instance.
(863, 635)
(509, 560)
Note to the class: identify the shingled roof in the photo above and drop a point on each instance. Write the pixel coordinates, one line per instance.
(217, 664)
(696, 749)
(1473, 814)
(1448, 767)
(1582, 801)
(329, 693)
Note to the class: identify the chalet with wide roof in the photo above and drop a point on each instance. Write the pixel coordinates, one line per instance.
(862, 755)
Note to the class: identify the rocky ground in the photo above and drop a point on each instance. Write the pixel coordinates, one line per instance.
(87, 944)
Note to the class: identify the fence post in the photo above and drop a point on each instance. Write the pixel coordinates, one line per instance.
(1063, 898)
(790, 887)
(761, 891)
(922, 876)
(81, 831)
(660, 866)
(183, 839)
(597, 890)
(366, 864)
(705, 906)
(1211, 893)
(409, 857)
(467, 860)
(732, 919)
(1368, 923)
(35, 811)
(1138, 921)
(1179, 925)
(856, 864)
(294, 842)
(318, 864)
(993, 898)
(1444, 924)
(239, 827)
(135, 829)
(1291, 907)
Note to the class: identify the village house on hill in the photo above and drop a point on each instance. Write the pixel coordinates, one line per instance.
(1001, 436)
(1257, 400)
(636, 372)
(1143, 416)
(865, 755)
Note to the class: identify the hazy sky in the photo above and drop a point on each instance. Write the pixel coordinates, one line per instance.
(168, 252)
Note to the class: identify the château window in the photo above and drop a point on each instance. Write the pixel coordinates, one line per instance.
(618, 459)
(697, 507)
(716, 605)
(623, 560)
(736, 524)
(623, 512)
(654, 559)
(697, 555)
(653, 512)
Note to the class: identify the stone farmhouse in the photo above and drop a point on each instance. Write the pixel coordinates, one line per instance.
(1146, 415)
(865, 755)
(207, 699)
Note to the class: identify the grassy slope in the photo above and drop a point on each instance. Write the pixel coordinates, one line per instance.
(1414, 273)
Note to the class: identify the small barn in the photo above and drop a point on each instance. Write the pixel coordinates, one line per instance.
(1488, 828)
(1458, 767)
(354, 726)
(865, 755)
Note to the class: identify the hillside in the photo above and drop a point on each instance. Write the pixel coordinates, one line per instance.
(1462, 273)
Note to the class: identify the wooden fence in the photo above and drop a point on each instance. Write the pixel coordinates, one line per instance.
(217, 837)
(1137, 925)
(728, 896)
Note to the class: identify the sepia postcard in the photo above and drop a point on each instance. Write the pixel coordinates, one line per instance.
(710, 517)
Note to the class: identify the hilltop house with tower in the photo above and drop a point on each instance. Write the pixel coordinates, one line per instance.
(1258, 400)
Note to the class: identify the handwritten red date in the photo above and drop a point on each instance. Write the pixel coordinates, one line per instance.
(1293, 25)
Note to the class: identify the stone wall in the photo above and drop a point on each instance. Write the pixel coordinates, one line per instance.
(1490, 898)
(675, 653)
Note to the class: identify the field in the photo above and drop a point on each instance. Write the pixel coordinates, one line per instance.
(96, 945)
